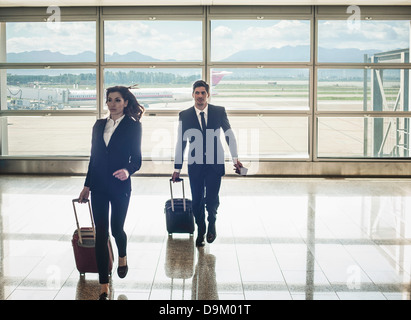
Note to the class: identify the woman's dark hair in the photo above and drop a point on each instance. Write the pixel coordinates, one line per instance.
(134, 110)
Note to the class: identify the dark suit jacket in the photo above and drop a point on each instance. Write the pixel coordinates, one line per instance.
(190, 131)
(122, 152)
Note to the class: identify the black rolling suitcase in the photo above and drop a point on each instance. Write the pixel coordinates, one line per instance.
(179, 213)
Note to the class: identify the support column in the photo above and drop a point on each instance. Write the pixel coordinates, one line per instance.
(377, 105)
(3, 72)
(3, 92)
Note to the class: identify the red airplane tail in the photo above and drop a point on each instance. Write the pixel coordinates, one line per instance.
(217, 76)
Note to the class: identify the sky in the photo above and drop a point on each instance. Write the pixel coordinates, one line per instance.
(231, 36)
(65, 37)
(380, 35)
(179, 40)
(182, 40)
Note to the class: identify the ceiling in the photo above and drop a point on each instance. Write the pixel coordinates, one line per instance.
(63, 3)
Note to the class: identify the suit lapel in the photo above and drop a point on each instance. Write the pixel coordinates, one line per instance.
(211, 117)
(100, 131)
(194, 119)
(118, 130)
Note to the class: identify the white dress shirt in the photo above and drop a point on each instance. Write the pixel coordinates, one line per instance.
(198, 111)
(110, 127)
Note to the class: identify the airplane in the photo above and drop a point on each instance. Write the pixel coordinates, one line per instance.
(146, 96)
(44, 97)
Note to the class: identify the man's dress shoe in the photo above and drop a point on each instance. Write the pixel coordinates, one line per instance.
(211, 233)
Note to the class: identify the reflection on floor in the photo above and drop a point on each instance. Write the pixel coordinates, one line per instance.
(277, 239)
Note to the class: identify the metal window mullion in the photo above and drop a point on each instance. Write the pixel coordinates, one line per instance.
(313, 132)
(100, 60)
(207, 45)
(153, 65)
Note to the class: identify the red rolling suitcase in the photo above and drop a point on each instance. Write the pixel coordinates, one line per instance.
(83, 243)
(179, 213)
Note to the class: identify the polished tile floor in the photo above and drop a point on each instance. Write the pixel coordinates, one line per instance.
(278, 239)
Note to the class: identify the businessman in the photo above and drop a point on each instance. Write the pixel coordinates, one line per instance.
(201, 127)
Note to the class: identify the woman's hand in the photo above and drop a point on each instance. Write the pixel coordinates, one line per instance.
(84, 194)
(121, 174)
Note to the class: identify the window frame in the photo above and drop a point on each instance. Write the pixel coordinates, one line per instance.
(268, 13)
(376, 13)
(39, 14)
(206, 14)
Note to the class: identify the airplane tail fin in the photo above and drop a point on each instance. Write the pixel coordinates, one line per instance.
(217, 76)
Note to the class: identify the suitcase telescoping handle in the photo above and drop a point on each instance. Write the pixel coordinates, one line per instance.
(171, 191)
(77, 223)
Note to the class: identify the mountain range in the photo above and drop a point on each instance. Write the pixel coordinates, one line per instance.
(300, 54)
(283, 54)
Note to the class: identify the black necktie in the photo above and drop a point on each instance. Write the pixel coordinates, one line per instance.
(203, 123)
(203, 127)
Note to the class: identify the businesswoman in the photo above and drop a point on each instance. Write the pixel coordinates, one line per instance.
(115, 156)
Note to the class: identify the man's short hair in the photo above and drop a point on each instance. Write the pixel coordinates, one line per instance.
(201, 83)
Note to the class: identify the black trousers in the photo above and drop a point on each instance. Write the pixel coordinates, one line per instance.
(205, 187)
(100, 203)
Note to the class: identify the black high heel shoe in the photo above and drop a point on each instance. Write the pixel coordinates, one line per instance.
(122, 271)
(103, 296)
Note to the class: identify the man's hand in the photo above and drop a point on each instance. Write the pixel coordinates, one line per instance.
(237, 167)
(176, 176)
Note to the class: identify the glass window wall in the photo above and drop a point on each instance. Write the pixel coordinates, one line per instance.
(156, 89)
(49, 89)
(364, 137)
(362, 96)
(258, 137)
(373, 41)
(281, 89)
(40, 136)
(349, 100)
(153, 41)
(371, 89)
(260, 40)
(264, 137)
(36, 42)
